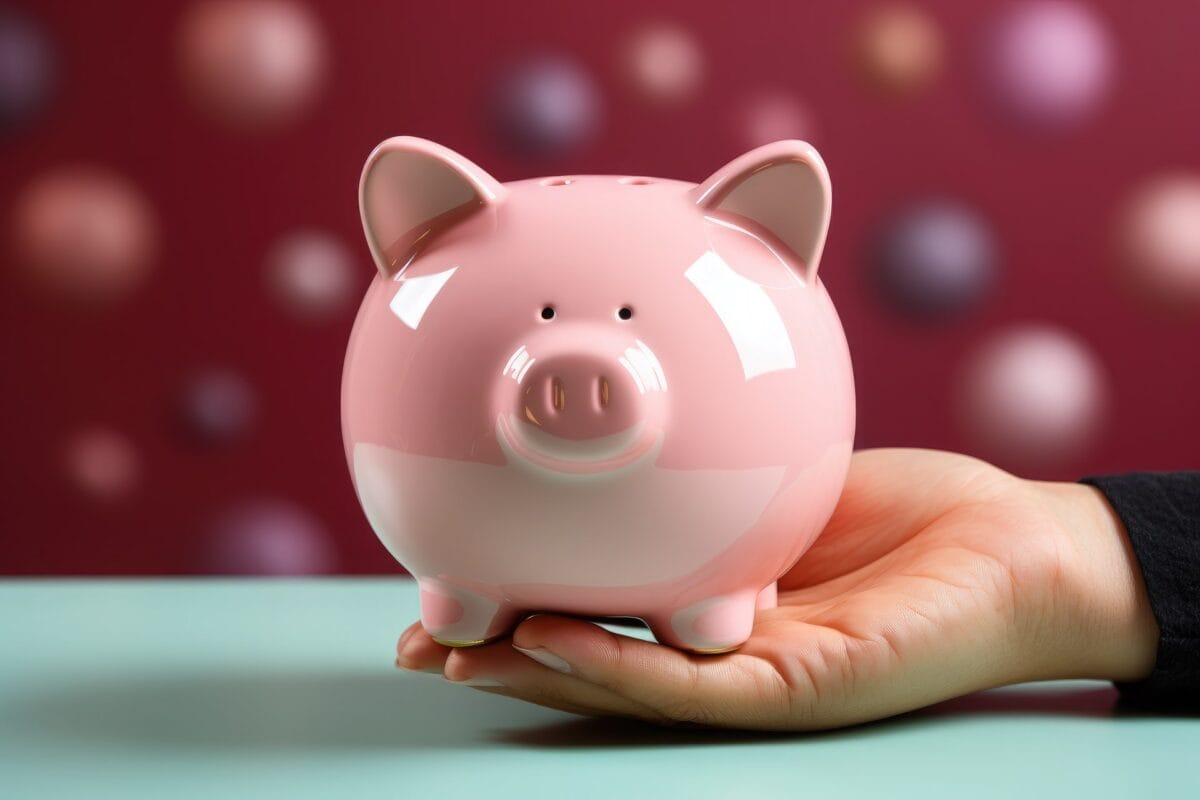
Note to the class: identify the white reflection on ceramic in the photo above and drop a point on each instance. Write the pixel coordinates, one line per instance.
(415, 295)
(518, 364)
(751, 319)
(643, 365)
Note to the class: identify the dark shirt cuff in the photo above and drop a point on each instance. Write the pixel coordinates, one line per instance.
(1161, 512)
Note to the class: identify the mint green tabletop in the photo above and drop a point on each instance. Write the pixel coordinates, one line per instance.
(211, 688)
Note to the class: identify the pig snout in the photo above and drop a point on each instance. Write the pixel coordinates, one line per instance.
(580, 401)
(579, 396)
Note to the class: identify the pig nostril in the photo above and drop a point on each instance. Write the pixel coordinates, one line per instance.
(603, 393)
(558, 395)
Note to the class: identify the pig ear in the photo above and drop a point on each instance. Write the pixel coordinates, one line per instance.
(784, 188)
(412, 188)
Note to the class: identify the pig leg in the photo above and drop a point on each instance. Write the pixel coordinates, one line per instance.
(459, 617)
(768, 597)
(713, 625)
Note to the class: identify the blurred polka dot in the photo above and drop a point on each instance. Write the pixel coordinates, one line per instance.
(86, 233)
(1032, 395)
(267, 537)
(217, 406)
(311, 274)
(664, 63)
(545, 106)
(252, 63)
(1160, 234)
(27, 68)
(770, 116)
(102, 464)
(1048, 63)
(897, 47)
(935, 259)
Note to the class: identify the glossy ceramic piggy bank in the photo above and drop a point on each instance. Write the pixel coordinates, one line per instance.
(594, 394)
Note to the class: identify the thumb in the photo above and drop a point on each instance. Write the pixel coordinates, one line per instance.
(732, 689)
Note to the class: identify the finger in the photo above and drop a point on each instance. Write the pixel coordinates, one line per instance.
(501, 669)
(417, 651)
(548, 702)
(732, 690)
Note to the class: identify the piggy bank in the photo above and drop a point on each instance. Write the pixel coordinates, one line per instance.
(596, 395)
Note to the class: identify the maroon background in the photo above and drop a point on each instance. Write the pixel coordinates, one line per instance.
(223, 198)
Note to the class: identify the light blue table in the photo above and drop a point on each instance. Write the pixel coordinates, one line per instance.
(286, 689)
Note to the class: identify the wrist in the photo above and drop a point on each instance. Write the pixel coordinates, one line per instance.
(1101, 625)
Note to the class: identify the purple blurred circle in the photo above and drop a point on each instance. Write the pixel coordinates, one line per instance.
(217, 406)
(27, 69)
(935, 259)
(267, 537)
(1049, 62)
(1032, 395)
(545, 106)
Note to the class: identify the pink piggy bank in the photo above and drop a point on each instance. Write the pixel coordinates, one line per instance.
(597, 395)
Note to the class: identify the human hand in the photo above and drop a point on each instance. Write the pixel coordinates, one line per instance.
(938, 575)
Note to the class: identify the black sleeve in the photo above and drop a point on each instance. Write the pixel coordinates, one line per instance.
(1161, 512)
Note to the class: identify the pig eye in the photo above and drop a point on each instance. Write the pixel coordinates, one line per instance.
(625, 312)
(548, 312)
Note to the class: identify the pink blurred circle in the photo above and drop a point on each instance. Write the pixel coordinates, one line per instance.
(85, 232)
(897, 47)
(311, 273)
(664, 63)
(1032, 395)
(1049, 62)
(267, 537)
(252, 63)
(102, 463)
(1160, 235)
(770, 116)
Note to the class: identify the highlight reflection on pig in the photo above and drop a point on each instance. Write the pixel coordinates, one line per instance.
(597, 395)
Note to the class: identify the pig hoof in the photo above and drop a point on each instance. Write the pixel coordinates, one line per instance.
(458, 617)
(715, 625)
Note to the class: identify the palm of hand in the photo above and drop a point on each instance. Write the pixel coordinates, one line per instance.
(915, 592)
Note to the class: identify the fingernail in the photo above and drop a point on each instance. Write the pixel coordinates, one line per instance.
(402, 645)
(481, 683)
(401, 655)
(431, 670)
(401, 663)
(545, 658)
